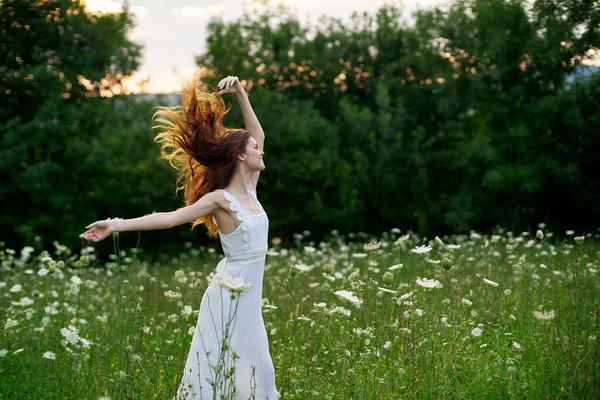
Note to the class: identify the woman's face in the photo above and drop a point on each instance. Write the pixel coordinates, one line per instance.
(253, 157)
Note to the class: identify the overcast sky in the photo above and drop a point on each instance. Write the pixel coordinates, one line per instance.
(173, 32)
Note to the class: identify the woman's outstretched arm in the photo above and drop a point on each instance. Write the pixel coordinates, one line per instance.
(100, 230)
(232, 85)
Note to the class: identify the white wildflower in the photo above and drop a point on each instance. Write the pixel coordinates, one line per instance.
(3, 352)
(384, 290)
(372, 246)
(302, 268)
(401, 240)
(339, 310)
(348, 297)
(50, 355)
(10, 323)
(172, 295)
(16, 288)
(359, 255)
(187, 310)
(544, 316)
(453, 246)
(76, 280)
(476, 332)
(466, 302)
(395, 267)
(491, 283)
(309, 249)
(517, 345)
(429, 283)
(421, 250)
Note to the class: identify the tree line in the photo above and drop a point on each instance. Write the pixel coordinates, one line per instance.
(468, 117)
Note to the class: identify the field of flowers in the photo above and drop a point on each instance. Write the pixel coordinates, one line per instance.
(508, 315)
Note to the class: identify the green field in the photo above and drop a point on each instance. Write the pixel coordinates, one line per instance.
(508, 315)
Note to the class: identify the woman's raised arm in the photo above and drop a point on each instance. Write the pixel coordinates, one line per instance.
(100, 230)
(232, 85)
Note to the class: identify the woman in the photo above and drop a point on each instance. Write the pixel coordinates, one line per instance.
(218, 170)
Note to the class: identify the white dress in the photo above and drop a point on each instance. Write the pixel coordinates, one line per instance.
(229, 356)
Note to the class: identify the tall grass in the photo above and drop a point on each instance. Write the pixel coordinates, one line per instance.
(473, 316)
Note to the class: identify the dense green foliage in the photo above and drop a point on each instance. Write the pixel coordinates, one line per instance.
(469, 117)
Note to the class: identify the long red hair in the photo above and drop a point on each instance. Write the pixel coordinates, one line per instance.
(198, 146)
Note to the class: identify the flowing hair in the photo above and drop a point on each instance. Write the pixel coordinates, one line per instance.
(198, 146)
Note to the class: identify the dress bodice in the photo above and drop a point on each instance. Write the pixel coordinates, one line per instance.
(249, 241)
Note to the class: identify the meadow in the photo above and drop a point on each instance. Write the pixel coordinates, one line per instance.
(470, 316)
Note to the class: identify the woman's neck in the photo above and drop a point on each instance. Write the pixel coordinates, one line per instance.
(238, 184)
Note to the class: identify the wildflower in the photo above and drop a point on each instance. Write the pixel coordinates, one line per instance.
(25, 301)
(3, 352)
(539, 234)
(76, 280)
(419, 312)
(301, 267)
(466, 302)
(187, 310)
(372, 246)
(421, 250)
(309, 249)
(491, 283)
(453, 246)
(569, 232)
(50, 355)
(517, 345)
(223, 279)
(191, 330)
(146, 329)
(476, 332)
(319, 305)
(359, 255)
(429, 283)
(401, 240)
(339, 310)
(70, 335)
(173, 318)
(180, 276)
(405, 297)
(16, 288)
(544, 316)
(172, 295)
(348, 297)
(384, 290)
(10, 323)
(395, 267)
(328, 268)
(42, 272)
(579, 239)
(102, 318)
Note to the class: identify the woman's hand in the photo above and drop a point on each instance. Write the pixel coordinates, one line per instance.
(231, 84)
(97, 231)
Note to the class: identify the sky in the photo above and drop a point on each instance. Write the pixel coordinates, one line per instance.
(173, 32)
